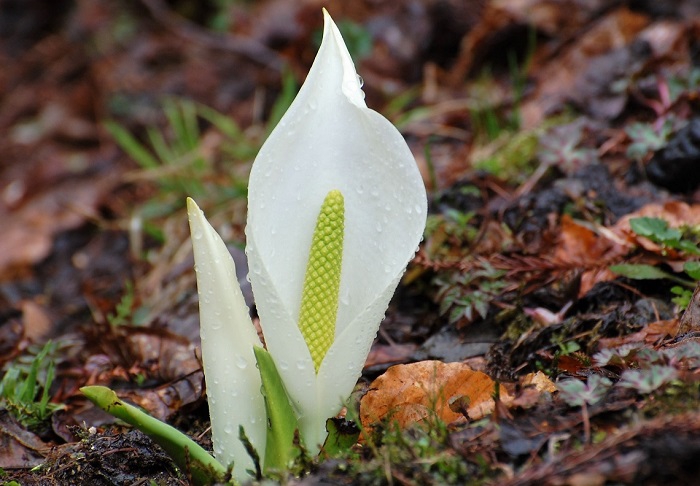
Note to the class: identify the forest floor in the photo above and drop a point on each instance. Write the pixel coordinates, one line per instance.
(547, 331)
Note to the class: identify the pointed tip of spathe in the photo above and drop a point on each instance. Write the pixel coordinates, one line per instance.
(328, 22)
(351, 86)
(191, 205)
(194, 213)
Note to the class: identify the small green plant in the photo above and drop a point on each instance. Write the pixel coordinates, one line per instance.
(179, 162)
(682, 240)
(568, 348)
(176, 164)
(25, 393)
(683, 84)
(464, 295)
(563, 146)
(421, 452)
(658, 231)
(647, 380)
(647, 138)
(645, 369)
(577, 393)
(124, 313)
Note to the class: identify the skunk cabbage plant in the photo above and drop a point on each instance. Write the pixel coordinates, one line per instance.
(336, 210)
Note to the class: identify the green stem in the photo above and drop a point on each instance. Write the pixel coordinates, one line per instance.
(189, 456)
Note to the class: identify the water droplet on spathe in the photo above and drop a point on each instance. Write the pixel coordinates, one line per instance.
(360, 81)
(301, 364)
(241, 362)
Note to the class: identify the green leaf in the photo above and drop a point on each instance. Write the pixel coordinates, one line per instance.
(689, 247)
(342, 435)
(281, 419)
(656, 229)
(638, 271)
(692, 269)
(131, 145)
(189, 456)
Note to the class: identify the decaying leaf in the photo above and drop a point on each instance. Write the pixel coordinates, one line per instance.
(540, 381)
(414, 392)
(19, 448)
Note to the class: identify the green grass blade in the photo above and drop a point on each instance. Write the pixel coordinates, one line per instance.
(131, 145)
(281, 420)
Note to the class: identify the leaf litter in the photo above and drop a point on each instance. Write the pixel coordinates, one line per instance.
(557, 138)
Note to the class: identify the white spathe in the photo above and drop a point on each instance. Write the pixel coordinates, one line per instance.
(228, 336)
(329, 139)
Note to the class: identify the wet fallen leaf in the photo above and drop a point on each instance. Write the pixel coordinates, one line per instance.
(414, 392)
(19, 448)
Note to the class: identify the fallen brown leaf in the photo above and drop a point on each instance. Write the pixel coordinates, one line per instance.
(19, 448)
(413, 392)
(539, 381)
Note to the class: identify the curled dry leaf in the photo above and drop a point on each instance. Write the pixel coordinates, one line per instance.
(580, 246)
(539, 381)
(413, 392)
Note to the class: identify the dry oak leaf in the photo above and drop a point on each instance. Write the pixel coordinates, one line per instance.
(413, 392)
